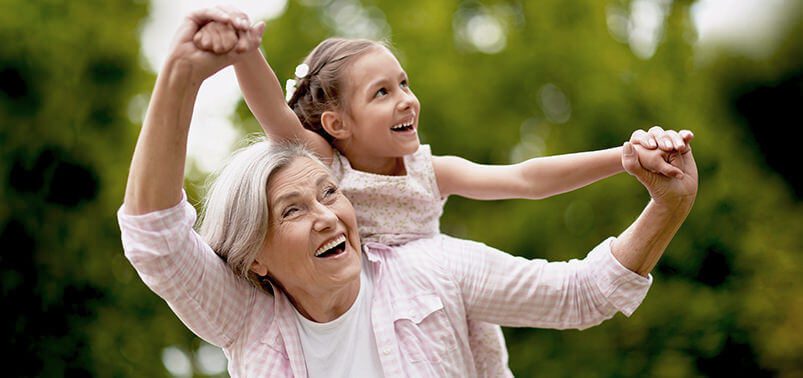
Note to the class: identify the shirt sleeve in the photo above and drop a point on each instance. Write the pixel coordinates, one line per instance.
(174, 262)
(513, 291)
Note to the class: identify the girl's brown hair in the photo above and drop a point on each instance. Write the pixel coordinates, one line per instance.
(321, 89)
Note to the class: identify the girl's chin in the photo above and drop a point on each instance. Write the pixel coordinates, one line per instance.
(411, 146)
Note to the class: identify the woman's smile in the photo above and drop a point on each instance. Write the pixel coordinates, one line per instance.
(332, 248)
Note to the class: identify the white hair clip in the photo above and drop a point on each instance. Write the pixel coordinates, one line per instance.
(302, 70)
(290, 87)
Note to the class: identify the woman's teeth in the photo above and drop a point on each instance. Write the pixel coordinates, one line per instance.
(330, 245)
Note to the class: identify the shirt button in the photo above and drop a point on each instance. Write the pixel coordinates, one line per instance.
(386, 350)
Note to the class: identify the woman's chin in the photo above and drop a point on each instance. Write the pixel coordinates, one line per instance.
(343, 267)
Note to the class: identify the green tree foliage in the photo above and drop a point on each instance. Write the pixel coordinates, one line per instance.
(73, 306)
(727, 298)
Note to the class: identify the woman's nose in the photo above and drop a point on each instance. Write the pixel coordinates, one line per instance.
(325, 218)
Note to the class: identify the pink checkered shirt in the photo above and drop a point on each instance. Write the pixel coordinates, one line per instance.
(423, 293)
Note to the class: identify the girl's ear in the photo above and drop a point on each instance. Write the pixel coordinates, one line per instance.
(334, 124)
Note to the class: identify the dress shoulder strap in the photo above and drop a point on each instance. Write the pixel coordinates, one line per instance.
(419, 167)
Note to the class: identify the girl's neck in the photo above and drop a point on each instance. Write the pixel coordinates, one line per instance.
(391, 166)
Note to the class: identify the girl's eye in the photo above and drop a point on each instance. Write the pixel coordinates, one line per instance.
(404, 84)
(381, 92)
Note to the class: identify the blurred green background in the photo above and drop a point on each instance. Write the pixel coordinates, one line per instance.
(499, 82)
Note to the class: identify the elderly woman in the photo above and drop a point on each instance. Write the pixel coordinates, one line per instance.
(278, 276)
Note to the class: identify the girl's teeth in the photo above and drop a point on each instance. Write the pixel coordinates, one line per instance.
(401, 126)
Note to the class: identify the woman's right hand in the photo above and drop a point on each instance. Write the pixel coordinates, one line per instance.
(205, 63)
(665, 191)
(216, 37)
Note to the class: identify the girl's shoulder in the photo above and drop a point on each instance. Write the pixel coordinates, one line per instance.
(420, 159)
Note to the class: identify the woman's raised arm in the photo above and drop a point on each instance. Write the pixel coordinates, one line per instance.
(156, 229)
(157, 168)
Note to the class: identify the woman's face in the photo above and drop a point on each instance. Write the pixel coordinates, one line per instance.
(313, 244)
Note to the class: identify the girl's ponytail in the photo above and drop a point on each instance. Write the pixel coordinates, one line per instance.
(321, 89)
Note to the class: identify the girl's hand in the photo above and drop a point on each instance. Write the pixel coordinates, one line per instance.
(205, 63)
(216, 37)
(666, 140)
(669, 192)
(657, 161)
(220, 37)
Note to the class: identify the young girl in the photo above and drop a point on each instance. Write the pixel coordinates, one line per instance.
(352, 104)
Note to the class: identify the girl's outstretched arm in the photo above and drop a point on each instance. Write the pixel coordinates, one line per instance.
(532, 179)
(544, 177)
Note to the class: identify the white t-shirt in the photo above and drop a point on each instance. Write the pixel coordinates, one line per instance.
(346, 346)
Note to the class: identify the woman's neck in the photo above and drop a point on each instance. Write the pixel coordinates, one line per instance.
(323, 307)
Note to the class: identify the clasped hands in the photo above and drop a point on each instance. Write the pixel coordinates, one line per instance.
(662, 161)
(207, 57)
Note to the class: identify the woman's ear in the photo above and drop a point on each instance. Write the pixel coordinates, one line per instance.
(259, 269)
(334, 125)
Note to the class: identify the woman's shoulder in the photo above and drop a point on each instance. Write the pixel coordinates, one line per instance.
(416, 269)
(417, 257)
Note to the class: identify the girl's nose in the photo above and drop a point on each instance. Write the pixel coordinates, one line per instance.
(406, 101)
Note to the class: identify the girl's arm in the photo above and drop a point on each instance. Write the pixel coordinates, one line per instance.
(263, 94)
(532, 179)
(544, 177)
(262, 90)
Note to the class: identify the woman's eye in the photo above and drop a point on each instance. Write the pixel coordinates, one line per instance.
(329, 191)
(381, 92)
(289, 212)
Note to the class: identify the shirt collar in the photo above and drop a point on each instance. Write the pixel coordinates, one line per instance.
(373, 250)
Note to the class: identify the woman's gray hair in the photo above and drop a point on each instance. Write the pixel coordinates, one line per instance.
(235, 215)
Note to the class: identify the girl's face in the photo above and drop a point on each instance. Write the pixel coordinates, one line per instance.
(382, 109)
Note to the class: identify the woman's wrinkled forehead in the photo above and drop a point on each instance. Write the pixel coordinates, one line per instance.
(297, 177)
